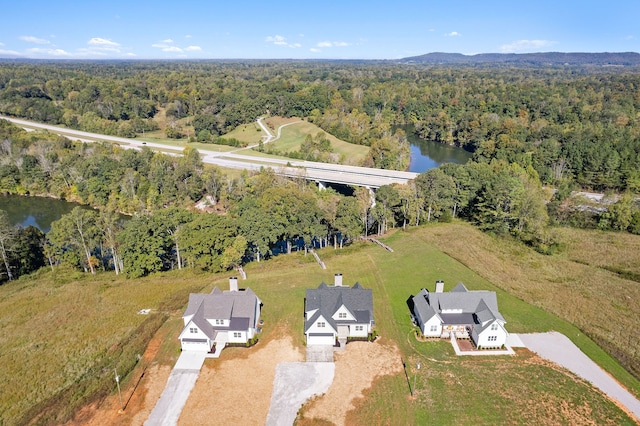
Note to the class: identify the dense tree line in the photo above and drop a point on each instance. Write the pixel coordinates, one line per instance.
(571, 122)
(261, 213)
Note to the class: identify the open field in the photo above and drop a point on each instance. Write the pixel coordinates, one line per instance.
(81, 318)
(293, 135)
(600, 303)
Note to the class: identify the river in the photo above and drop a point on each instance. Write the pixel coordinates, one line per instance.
(427, 155)
(34, 211)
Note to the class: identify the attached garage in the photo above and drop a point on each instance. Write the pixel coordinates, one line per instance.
(321, 339)
(200, 345)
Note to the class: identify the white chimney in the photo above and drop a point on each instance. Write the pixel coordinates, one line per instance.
(439, 286)
(337, 280)
(233, 283)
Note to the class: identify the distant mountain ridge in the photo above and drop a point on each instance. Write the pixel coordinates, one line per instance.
(542, 58)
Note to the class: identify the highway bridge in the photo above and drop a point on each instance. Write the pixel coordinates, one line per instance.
(321, 173)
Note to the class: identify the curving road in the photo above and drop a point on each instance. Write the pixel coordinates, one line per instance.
(319, 172)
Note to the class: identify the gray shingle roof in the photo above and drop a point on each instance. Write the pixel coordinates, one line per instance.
(237, 307)
(482, 304)
(326, 300)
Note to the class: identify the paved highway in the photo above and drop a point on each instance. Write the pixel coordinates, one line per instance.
(321, 172)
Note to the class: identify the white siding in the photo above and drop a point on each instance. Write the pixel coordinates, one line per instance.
(354, 330)
(486, 339)
(317, 327)
(346, 315)
(434, 321)
(220, 322)
(238, 337)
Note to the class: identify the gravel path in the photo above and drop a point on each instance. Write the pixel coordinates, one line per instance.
(182, 379)
(558, 348)
(295, 382)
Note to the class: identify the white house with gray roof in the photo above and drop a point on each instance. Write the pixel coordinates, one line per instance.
(220, 317)
(462, 312)
(335, 313)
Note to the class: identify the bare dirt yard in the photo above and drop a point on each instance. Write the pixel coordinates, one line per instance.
(244, 378)
(356, 369)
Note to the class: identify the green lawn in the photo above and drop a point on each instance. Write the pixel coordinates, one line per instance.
(293, 135)
(68, 323)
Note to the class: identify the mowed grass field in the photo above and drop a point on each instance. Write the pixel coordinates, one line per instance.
(296, 130)
(56, 325)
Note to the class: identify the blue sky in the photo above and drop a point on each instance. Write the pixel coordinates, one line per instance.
(237, 29)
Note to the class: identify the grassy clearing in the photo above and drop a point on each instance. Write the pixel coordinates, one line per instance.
(617, 252)
(293, 135)
(601, 304)
(81, 318)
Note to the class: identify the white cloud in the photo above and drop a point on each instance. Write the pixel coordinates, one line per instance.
(35, 40)
(167, 41)
(9, 52)
(48, 52)
(1, 43)
(453, 34)
(277, 40)
(314, 50)
(166, 48)
(102, 42)
(193, 48)
(526, 45)
(188, 36)
(332, 44)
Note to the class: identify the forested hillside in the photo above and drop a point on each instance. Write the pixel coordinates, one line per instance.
(574, 123)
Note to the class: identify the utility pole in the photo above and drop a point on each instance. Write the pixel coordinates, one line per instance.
(119, 393)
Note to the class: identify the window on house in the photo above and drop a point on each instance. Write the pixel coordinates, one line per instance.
(193, 330)
(492, 338)
(321, 324)
(342, 315)
(219, 322)
(494, 327)
(237, 335)
(359, 327)
(433, 328)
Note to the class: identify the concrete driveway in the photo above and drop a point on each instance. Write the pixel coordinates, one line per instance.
(181, 381)
(294, 383)
(558, 348)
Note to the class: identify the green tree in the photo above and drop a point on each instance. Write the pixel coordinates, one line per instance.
(75, 235)
(7, 241)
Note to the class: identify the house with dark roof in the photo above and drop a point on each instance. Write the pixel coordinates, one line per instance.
(461, 313)
(220, 317)
(335, 313)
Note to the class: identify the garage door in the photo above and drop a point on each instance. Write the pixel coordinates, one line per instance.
(201, 345)
(321, 339)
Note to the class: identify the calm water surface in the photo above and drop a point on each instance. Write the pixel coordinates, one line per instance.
(427, 155)
(34, 211)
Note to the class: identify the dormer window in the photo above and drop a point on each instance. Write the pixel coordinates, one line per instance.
(219, 322)
(193, 330)
(321, 324)
(494, 326)
(342, 315)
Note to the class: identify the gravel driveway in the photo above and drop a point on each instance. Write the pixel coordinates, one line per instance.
(182, 379)
(295, 382)
(558, 348)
